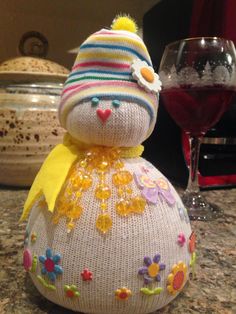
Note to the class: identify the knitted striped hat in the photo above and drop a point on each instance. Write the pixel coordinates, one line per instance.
(112, 64)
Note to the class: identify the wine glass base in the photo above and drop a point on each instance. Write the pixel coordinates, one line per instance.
(198, 208)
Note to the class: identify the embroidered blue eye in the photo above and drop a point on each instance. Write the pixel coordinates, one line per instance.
(116, 103)
(94, 101)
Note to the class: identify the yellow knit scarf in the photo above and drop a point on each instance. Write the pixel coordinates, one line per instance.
(56, 167)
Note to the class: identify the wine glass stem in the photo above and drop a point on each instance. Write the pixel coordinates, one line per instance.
(195, 143)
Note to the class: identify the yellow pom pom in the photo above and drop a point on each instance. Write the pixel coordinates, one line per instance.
(124, 22)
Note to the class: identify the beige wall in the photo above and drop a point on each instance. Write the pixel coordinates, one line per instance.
(65, 23)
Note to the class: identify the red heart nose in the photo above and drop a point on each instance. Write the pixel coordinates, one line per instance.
(103, 114)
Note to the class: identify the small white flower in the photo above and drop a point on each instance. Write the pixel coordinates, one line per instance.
(145, 76)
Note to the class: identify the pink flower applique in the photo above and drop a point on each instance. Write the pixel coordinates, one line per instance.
(181, 239)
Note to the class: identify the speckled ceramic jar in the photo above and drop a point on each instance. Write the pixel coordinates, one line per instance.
(29, 129)
(30, 90)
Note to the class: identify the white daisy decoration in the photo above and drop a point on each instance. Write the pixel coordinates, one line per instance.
(145, 76)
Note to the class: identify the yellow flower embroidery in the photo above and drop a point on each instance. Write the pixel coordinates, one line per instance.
(123, 293)
(177, 278)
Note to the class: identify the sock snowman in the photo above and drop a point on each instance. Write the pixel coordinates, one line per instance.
(107, 232)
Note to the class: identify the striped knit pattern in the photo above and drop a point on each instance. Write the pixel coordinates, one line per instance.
(103, 69)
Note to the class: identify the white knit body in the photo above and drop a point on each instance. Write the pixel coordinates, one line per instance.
(113, 258)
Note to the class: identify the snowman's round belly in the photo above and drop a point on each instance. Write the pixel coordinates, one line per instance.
(129, 269)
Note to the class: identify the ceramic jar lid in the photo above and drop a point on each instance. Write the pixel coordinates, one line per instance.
(30, 69)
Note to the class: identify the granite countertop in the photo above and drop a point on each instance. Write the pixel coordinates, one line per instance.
(212, 291)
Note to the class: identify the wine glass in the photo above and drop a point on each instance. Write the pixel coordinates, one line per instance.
(198, 84)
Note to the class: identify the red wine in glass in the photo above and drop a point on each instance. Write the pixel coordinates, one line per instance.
(197, 109)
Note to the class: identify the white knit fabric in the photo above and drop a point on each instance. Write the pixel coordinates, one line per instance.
(113, 258)
(127, 125)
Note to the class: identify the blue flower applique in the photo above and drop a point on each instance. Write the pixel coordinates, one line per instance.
(183, 213)
(50, 265)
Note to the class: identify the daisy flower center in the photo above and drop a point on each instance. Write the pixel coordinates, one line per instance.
(153, 270)
(123, 295)
(147, 74)
(178, 280)
(49, 265)
(70, 293)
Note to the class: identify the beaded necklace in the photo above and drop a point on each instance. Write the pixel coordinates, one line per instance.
(98, 161)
